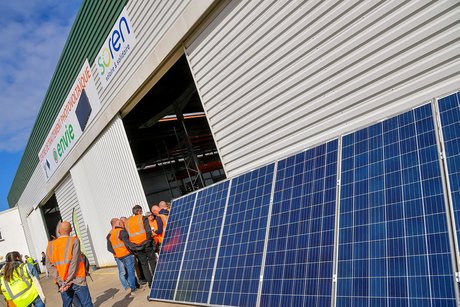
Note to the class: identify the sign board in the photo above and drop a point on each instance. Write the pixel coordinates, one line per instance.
(79, 109)
(116, 48)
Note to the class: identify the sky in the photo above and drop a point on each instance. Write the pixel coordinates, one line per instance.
(32, 34)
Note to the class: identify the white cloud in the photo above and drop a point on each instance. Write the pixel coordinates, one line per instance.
(33, 34)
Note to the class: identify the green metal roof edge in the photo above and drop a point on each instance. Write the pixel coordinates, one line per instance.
(92, 24)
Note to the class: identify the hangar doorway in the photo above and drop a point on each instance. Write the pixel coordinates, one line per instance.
(51, 216)
(170, 138)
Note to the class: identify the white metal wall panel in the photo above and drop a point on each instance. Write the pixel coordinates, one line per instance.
(67, 200)
(33, 194)
(276, 77)
(39, 236)
(107, 185)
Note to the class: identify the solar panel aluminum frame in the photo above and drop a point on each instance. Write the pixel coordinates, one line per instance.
(335, 264)
(267, 234)
(447, 190)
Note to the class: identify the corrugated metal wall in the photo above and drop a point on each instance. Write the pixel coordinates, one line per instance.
(35, 191)
(107, 186)
(67, 200)
(276, 77)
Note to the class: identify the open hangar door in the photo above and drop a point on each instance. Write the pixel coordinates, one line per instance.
(170, 138)
(51, 215)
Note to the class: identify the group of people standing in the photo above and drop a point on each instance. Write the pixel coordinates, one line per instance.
(135, 243)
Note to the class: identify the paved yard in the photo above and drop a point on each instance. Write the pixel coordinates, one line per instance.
(105, 290)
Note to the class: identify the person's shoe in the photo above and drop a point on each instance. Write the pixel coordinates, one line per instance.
(128, 292)
(134, 292)
(142, 282)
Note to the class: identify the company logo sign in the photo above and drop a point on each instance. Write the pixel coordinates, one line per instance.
(117, 47)
(79, 109)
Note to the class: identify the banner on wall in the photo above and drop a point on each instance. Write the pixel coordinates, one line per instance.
(79, 109)
(116, 48)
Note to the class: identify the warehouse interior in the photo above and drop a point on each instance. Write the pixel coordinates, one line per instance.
(169, 135)
(51, 215)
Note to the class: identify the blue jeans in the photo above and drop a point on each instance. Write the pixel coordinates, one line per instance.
(126, 272)
(82, 292)
(38, 302)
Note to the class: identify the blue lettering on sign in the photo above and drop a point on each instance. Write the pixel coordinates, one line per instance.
(109, 52)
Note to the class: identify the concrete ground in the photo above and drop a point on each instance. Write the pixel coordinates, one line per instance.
(105, 290)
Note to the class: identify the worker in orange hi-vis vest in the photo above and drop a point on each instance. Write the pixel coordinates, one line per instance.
(165, 207)
(118, 244)
(66, 266)
(161, 220)
(140, 234)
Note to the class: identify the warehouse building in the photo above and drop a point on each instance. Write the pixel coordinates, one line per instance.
(11, 234)
(155, 100)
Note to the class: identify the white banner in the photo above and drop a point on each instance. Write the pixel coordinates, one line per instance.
(115, 49)
(80, 107)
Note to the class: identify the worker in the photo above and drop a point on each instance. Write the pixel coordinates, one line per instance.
(137, 264)
(151, 219)
(161, 219)
(139, 232)
(165, 207)
(16, 282)
(66, 266)
(32, 262)
(118, 244)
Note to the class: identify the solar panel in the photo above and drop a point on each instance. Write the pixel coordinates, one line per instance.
(393, 241)
(393, 246)
(299, 261)
(199, 259)
(449, 109)
(239, 262)
(168, 267)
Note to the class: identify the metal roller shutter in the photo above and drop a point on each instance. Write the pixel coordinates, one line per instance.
(107, 185)
(67, 200)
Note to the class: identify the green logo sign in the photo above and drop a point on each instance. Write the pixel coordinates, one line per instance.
(55, 155)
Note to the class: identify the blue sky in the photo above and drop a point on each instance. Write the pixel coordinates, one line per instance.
(33, 34)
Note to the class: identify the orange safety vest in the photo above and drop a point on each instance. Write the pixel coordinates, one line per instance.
(118, 245)
(60, 255)
(136, 230)
(159, 237)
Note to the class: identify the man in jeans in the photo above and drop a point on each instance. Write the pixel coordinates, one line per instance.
(118, 244)
(140, 234)
(66, 266)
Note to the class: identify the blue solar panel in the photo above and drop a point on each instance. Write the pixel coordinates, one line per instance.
(240, 256)
(199, 259)
(449, 109)
(167, 270)
(393, 242)
(299, 261)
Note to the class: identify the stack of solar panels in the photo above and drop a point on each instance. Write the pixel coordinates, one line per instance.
(365, 220)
